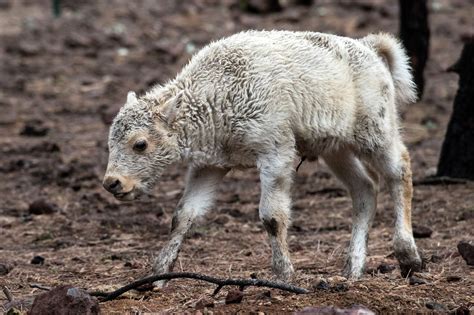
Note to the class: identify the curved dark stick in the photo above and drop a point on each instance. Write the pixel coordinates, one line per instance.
(189, 275)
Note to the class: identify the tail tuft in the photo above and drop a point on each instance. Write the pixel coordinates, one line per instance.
(394, 53)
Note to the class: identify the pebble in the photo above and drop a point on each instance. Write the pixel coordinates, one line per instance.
(385, 268)
(453, 278)
(234, 297)
(37, 260)
(420, 231)
(41, 206)
(34, 128)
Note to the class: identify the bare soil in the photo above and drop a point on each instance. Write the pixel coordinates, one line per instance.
(61, 82)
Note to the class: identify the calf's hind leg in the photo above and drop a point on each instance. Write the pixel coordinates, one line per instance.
(394, 165)
(363, 190)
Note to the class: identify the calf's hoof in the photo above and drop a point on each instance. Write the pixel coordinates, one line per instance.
(283, 272)
(409, 261)
(408, 267)
(351, 273)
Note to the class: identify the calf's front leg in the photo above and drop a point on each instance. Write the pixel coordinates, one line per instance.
(198, 197)
(274, 211)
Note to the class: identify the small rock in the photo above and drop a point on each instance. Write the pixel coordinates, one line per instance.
(65, 300)
(435, 306)
(385, 268)
(5, 269)
(416, 281)
(34, 128)
(234, 297)
(204, 302)
(420, 231)
(453, 278)
(41, 206)
(37, 260)
(466, 250)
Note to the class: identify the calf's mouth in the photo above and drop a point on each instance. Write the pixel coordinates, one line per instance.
(126, 196)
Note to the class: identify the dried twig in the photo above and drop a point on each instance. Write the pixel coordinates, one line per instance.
(7, 293)
(189, 275)
(39, 286)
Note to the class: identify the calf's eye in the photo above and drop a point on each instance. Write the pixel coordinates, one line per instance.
(140, 146)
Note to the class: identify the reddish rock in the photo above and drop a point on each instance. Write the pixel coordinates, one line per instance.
(65, 300)
(41, 206)
(234, 297)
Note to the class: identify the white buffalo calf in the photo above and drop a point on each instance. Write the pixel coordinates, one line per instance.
(261, 99)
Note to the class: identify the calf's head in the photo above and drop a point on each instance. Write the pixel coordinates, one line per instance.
(141, 145)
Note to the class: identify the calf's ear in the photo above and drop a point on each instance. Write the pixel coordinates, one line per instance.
(131, 97)
(168, 110)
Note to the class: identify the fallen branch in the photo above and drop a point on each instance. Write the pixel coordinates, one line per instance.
(188, 275)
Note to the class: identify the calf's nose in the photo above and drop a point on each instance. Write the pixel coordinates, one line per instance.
(112, 184)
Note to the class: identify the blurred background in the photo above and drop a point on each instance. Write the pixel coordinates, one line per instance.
(65, 69)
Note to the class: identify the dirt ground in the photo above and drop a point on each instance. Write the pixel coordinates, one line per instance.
(61, 82)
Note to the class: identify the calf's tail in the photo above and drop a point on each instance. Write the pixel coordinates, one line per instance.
(390, 49)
